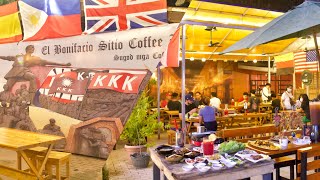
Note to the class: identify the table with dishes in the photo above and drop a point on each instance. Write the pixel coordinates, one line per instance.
(229, 160)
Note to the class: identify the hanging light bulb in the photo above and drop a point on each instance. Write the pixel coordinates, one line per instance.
(245, 60)
(255, 61)
(235, 60)
(203, 59)
(192, 59)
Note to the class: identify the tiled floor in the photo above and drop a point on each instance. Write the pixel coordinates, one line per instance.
(118, 164)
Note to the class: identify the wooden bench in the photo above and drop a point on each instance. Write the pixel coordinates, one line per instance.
(16, 174)
(249, 133)
(250, 119)
(305, 166)
(57, 159)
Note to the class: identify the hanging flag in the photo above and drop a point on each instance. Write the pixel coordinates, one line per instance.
(45, 19)
(285, 64)
(305, 61)
(118, 15)
(172, 59)
(10, 28)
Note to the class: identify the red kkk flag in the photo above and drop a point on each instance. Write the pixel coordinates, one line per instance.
(125, 82)
(68, 86)
(10, 28)
(285, 64)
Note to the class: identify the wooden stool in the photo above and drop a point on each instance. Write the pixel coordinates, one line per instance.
(57, 159)
(171, 137)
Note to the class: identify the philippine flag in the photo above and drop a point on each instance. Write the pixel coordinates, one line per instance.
(45, 19)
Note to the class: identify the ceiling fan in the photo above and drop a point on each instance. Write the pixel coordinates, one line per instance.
(212, 44)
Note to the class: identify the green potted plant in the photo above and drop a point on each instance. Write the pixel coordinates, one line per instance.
(140, 126)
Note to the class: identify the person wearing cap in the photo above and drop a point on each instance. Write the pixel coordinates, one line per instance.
(190, 106)
(266, 93)
(165, 100)
(174, 104)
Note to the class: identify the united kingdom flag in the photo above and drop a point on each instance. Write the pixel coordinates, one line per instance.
(119, 15)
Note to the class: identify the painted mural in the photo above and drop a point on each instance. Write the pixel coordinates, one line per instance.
(87, 106)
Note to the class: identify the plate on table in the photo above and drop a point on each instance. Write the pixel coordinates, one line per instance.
(264, 144)
(236, 160)
(258, 157)
(300, 142)
(245, 153)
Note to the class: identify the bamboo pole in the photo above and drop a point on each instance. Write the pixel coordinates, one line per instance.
(183, 82)
(158, 95)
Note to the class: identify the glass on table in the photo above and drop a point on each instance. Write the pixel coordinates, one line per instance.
(208, 147)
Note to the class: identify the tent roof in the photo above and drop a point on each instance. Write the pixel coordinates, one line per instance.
(232, 24)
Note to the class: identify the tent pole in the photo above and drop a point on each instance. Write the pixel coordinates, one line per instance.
(183, 80)
(269, 70)
(158, 95)
(318, 57)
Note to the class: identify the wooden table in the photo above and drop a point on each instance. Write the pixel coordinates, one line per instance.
(290, 150)
(172, 114)
(174, 171)
(222, 121)
(19, 141)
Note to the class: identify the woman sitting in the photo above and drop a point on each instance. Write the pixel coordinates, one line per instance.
(207, 115)
(304, 100)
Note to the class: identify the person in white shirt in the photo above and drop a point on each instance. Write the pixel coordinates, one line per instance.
(214, 101)
(287, 99)
(266, 93)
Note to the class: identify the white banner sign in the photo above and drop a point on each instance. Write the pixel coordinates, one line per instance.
(135, 49)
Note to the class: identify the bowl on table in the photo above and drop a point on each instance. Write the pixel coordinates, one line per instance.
(204, 168)
(187, 168)
(217, 166)
(198, 165)
(190, 161)
(164, 150)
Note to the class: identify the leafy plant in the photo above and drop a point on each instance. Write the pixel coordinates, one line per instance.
(140, 124)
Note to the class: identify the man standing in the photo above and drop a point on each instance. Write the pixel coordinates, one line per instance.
(214, 101)
(287, 99)
(266, 93)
